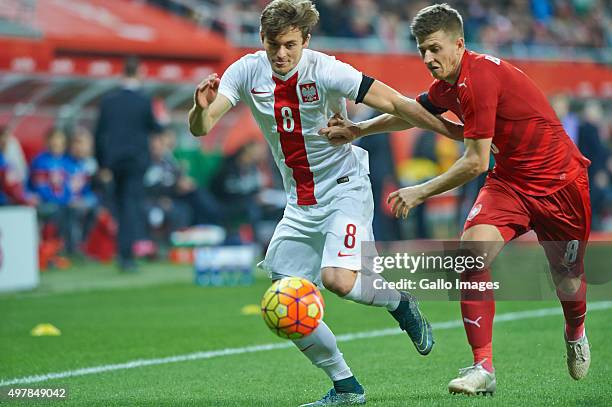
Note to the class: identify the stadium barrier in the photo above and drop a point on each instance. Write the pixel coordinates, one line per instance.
(18, 249)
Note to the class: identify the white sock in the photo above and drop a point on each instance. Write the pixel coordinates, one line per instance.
(364, 292)
(320, 347)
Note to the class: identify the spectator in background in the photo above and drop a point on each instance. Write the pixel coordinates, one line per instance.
(569, 119)
(238, 184)
(424, 166)
(14, 156)
(591, 146)
(49, 180)
(510, 24)
(584, 131)
(174, 201)
(11, 187)
(49, 171)
(81, 168)
(203, 206)
(162, 179)
(124, 124)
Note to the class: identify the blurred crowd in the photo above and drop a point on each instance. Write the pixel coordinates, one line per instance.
(493, 24)
(78, 211)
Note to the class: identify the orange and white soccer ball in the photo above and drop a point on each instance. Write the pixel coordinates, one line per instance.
(292, 307)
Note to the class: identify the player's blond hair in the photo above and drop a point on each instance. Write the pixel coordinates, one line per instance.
(434, 18)
(280, 16)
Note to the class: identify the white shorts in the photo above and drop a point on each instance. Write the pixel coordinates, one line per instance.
(309, 238)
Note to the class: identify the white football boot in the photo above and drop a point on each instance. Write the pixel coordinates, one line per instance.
(578, 357)
(473, 380)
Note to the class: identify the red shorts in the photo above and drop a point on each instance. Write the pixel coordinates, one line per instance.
(561, 220)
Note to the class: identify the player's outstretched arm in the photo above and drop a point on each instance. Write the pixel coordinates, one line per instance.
(475, 161)
(387, 122)
(340, 130)
(387, 100)
(208, 106)
(382, 124)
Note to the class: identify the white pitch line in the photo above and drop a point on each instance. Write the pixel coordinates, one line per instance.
(506, 317)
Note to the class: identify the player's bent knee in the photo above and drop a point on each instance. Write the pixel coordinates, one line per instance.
(483, 240)
(482, 233)
(567, 285)
(338, 280)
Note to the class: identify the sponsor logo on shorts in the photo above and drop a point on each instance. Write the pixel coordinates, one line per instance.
(342, 180)
(475, 211)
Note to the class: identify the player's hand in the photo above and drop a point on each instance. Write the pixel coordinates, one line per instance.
(403, 200)
(206, 92)
(340, 130)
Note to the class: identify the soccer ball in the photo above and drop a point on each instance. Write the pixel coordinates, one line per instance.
(292, 307)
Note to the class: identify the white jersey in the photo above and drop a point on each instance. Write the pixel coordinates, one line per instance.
(290, 110)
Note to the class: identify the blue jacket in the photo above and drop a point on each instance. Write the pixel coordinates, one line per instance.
(80, 181)
(49, 178)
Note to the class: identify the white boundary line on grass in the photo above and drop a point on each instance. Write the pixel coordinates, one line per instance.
(506, 317)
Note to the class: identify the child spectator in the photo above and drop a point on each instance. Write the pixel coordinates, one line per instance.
(83, 202)
(49, 171)
(81, 168)
(49, 180)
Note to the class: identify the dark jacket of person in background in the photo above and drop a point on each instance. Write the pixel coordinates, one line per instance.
(122, 146)
(122, 135)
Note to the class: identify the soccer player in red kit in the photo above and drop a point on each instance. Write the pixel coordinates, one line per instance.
(539, 180)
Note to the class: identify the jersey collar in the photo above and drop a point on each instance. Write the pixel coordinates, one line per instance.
(467, 55)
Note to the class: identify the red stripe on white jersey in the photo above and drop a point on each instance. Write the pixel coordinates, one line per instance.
(289, 126)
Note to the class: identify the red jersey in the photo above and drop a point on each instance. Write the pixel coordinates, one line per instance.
(494, 99)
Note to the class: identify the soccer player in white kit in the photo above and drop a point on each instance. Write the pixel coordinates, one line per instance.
(292, 92)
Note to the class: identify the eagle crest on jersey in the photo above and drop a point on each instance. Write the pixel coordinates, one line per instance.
(309, 92)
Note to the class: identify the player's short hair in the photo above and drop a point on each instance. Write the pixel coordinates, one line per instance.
(434, 18)
(280, 16)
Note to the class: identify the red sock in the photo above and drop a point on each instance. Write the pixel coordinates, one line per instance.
(478, 310)
(575, 313)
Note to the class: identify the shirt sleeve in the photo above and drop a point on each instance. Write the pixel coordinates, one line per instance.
(427, 100)
(343, 79)
(479, 104)
(231, 82)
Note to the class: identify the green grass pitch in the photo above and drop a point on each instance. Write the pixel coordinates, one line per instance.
(106, 318)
